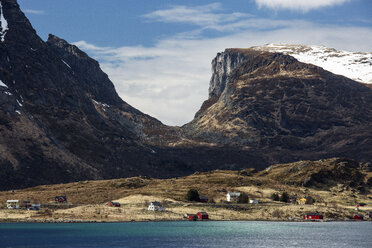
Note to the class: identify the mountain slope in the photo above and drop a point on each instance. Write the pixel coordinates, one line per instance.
(287, 109)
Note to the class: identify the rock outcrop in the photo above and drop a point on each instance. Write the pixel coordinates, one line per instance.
(222, 66)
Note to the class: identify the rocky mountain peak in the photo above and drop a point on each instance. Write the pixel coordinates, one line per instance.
(15, 25)
(54, 40)
(87, 70)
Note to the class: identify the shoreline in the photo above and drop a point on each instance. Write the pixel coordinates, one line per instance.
(12, 221)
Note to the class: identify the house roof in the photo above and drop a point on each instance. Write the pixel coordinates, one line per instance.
(314, 214)
(203, 197)
(190, 214)
(12, 201)
(234, 193)
(203, 213)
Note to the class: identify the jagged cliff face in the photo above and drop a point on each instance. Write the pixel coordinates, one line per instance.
(287, 109)
(222, 66)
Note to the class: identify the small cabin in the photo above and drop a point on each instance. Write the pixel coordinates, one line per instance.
(202, 215)
(60, 199)
(313, 216)
(203, 199)
(358, 217)
(232, 196)
(113, 204)
(191, 217)
(253, 201)
(12, 204)
(156, 206)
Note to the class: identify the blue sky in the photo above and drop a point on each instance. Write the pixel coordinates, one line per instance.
(158, 52)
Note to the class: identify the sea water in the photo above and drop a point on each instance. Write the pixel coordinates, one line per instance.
(188, 234)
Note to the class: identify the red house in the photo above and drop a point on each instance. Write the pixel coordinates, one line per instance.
(358, 217)
(203, 199)
(313, 216)
(192, 217)
(202, 215)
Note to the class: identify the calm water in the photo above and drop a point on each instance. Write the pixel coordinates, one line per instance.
(188, 234)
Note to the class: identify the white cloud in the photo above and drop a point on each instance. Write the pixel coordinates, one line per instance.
(170, 80)
(204, 16)
(302, 5)
(34, 11)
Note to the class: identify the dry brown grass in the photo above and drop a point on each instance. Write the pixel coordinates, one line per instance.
(135, 193)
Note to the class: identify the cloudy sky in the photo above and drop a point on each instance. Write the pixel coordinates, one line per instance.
(158, 53)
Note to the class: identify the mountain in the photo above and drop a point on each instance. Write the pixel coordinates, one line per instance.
(61, 119)
(287, 109)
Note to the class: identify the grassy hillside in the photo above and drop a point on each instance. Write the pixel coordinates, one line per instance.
(336, 185)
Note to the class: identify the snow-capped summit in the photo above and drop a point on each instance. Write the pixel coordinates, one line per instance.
(354, 65)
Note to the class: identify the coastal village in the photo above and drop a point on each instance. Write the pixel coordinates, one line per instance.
(216, 195)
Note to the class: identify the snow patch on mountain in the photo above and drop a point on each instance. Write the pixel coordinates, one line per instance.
(4, 24)
(66, 64)
(354, 65)
(2, 84)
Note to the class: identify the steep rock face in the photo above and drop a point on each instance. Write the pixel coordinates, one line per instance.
(222, 66)
(288, 110)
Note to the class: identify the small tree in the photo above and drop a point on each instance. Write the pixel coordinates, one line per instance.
(284, 197)
(192, 195)
(275, 197)
(243, 198)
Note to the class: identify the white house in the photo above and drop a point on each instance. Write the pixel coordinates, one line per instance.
(253, 201)
(156, 206)
(232, 196)
(12, 204)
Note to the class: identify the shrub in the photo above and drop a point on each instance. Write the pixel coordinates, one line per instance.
(192, 195)
(275, 197)
(284, 197)
(310, 200)
(243, 198)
